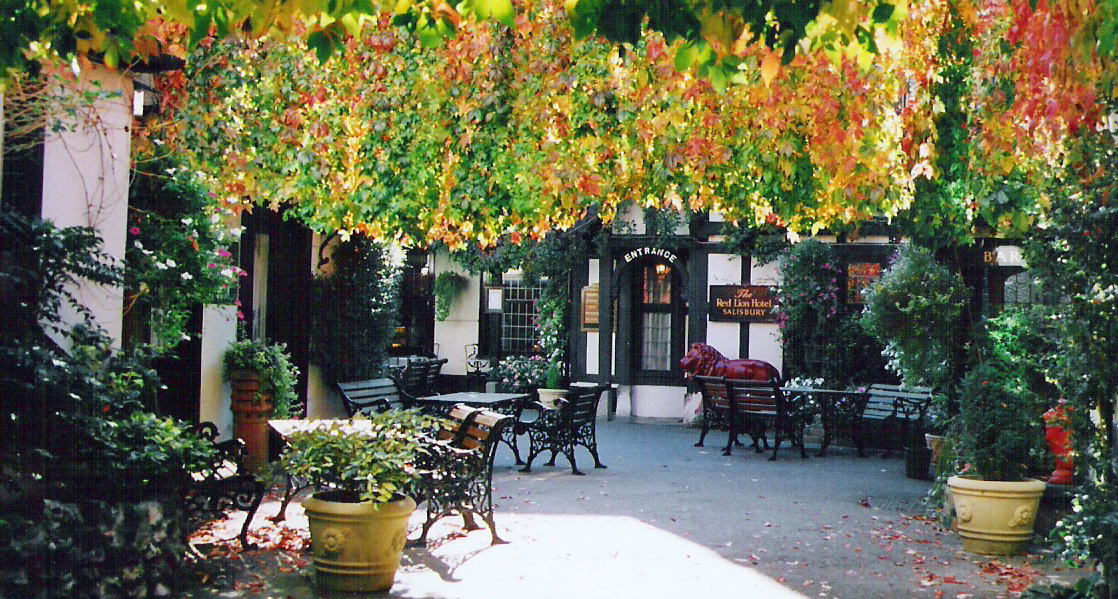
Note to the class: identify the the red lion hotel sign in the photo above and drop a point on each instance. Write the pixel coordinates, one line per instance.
(741, 303)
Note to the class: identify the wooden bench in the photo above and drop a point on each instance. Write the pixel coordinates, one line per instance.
(222, 484)
(561, 430)
(891, 403)
(456, 472)
(750, 407)
(757, 405)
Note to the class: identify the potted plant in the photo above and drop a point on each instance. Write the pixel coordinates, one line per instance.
(358, 519)
(1000, 426)
(552, 391)
(262, 379)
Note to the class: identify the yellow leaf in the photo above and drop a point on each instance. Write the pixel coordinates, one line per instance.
(770, 66)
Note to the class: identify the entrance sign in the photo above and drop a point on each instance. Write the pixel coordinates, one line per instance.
(651, 251)
(741, 303)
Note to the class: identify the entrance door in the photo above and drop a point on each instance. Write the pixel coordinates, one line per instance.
(659, 315)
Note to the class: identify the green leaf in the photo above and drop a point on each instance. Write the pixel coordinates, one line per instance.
(718, 79)
(429, 36)
(351, 23)
(498, 10)
(685, 57)
(201, 28)
(321, 45)
(883, 12)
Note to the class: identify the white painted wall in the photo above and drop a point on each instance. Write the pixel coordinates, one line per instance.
(724, 269)
(461, 327)
(219, 329)
(652, 402)
(85, 183)
(764, 338)
(592, 339)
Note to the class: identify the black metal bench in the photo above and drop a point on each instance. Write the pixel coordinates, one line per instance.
(892, 403)
(370, 396)
(421, 377)
(456, 471)
(378, 395)
(561, 430)
(222, 484)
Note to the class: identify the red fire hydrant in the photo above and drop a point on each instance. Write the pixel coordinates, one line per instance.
(1058, 439)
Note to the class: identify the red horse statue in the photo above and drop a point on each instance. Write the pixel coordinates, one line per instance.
(704, 360)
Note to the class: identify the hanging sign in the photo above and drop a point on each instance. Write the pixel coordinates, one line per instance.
(741, 303)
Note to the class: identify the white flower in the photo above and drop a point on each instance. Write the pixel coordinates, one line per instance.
(138, 245)
(188, 221)
(171, 263)
(227, 273)
(187, 276)
(236, 232)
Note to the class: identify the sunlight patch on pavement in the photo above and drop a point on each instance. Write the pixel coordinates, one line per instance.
(587, 557)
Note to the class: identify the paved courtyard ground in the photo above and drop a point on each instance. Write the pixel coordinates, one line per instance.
(665, 520)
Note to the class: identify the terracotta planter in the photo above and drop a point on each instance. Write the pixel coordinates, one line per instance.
(995, 517)
(549, 397)
(251, 411)
(356, 545)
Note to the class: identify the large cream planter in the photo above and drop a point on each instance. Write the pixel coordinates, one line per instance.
(356, 546)
(995, 517)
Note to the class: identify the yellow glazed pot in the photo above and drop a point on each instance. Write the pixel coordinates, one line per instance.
(356, 546)
(995, 517)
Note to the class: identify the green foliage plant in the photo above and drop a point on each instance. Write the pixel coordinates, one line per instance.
(1001, 432)
(374, 458)
(448, 286)
(915, 310)
(1073, 254)
(272, 364)
(355, 311)
(179, 256)
(810, 309)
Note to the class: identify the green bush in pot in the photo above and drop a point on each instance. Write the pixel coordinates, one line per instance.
(1000, 433)
(359, 526)
(272, 365)
(372, 458)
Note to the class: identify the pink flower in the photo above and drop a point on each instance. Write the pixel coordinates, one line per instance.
(237, 303)
(240, 315)
(211, 265)
(134, 230)
(223, 253)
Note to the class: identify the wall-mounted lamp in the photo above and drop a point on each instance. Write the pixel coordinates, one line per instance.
(494, 297)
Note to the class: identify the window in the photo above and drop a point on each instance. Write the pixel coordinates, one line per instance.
(518, 318)
(860, 275)
(1022, 289)
(656, 318)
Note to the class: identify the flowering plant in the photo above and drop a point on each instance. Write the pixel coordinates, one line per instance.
(519, 374)
(179, 255)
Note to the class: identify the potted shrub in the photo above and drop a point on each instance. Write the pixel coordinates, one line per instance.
(358, 519)
(262, 379)
(1000, 427)
(552, 390)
